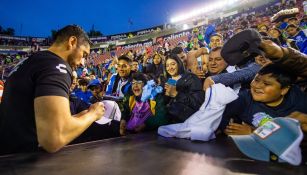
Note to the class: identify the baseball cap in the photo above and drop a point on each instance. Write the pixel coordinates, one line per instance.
(277, 140)
(94, 82)
(112, 112)
(242, 47)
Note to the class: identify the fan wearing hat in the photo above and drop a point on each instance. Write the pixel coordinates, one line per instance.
(296, 34)
(139, 115)
(239, 51)
(272, 92)
(277, 34)
(96, 88)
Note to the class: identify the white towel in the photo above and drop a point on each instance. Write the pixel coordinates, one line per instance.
(202, 124)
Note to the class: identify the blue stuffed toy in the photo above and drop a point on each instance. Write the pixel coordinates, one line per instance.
(150, 91)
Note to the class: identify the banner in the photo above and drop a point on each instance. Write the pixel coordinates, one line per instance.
(38, 40)
(146, 43)
(14, 38)
(126, 35)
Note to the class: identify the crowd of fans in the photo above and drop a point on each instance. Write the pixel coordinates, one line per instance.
(167, 83)
(184, 70)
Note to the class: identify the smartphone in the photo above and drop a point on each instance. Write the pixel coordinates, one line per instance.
(199, 64)
(171, 82)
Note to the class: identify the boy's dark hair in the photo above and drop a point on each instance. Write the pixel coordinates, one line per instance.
(93, 73)
(124, 57)
(284, 77)
(72, 30)
(177, 50)
(140, 76)
(83, 82)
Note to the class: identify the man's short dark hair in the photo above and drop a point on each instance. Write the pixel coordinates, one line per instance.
(71, 30)
(217, 34)
(284, 77)
(124, 57)
(177, 50)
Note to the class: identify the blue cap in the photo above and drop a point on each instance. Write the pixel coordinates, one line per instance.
(280, 136)
(94, 82)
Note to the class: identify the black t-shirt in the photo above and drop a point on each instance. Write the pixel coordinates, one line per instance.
(42, 74)
(244, 107)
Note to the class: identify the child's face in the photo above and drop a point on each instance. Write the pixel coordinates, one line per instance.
(137, 87)
(291, 31)
(83, 87)
(266, 89)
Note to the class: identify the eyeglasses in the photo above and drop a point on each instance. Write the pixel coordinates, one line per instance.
(136, 82)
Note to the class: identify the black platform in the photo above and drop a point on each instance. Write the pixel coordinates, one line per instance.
(144, 154)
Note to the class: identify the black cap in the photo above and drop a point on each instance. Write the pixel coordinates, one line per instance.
(242, 47)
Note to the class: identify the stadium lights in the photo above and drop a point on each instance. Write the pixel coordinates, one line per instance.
(185, 27)
(203, 10)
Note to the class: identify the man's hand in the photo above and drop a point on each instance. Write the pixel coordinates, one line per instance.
(271, 49)
(208, 83)
(122, 127)
(200, 73)
(238, 129)
(302, 118)
(167, 89)
(97, 109)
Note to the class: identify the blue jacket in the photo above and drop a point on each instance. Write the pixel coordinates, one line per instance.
(111, 88)
(300, 41)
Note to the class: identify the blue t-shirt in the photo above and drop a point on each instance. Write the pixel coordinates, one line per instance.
(84, 96)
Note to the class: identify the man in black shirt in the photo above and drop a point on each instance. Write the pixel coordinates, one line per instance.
(35, 110)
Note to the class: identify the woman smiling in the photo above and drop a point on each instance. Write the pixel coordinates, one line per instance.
(183, 90)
